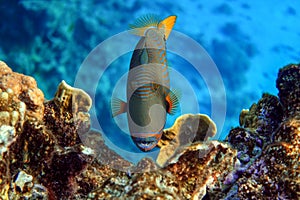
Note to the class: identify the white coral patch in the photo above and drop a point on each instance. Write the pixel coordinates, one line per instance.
(23, 179)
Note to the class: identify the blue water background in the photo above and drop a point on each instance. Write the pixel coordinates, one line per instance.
(248, 41)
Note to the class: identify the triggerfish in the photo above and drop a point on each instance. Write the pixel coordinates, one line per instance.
(149, 97)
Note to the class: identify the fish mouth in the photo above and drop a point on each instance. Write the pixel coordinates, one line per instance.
(146, 143)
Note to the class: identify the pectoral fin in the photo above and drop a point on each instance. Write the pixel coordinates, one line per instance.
(118, 106)
(172, 100)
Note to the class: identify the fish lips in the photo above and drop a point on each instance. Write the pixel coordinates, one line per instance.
(145, 143)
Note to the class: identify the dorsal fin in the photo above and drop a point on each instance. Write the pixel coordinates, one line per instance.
(167, 25)
(144, 22)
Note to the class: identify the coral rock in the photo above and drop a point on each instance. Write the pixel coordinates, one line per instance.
(145, 165)
(23, 180)
(289, 132)
(7, 137)
(72, 99)
(149, 185)
(202, 168)
(288, 84)
(36, 161)
(67, 114)
(186, 129)
(21, 102)
(271, 126)
(192, 171)
(275, 175)
(60, 175)
(48, 152)
(17, 89)
(105, 155)
(263, 117)
(33, 146)
(248, 144)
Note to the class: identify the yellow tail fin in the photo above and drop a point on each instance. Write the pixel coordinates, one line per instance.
(167, 25)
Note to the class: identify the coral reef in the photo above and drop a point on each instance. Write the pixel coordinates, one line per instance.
(202, 169)
(33, 163)
(48, 151)
(67, 115)
(186, 129)
(268, 143)
(58, 34)
(263, 117)
(288, 84)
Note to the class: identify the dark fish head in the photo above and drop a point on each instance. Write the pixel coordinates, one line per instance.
(146, 142)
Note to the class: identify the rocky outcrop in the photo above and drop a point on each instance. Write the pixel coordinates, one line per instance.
(43, 157)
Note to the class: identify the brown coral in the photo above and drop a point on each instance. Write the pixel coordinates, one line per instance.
(31, 158)
(21, 102)
(187, 128)
(105, 155)
(263, 117)
(202, 168)
(197, 170)
(67, 114)
(288, 84)
(275, 174)
(43, 157)
(46, 149)
(289, 132)
(18, 89)
(60, 174)
(248, 143)
(149, 185)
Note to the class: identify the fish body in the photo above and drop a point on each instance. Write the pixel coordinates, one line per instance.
(149, 97)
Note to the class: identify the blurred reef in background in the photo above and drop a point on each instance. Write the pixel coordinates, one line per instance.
(51, 39)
